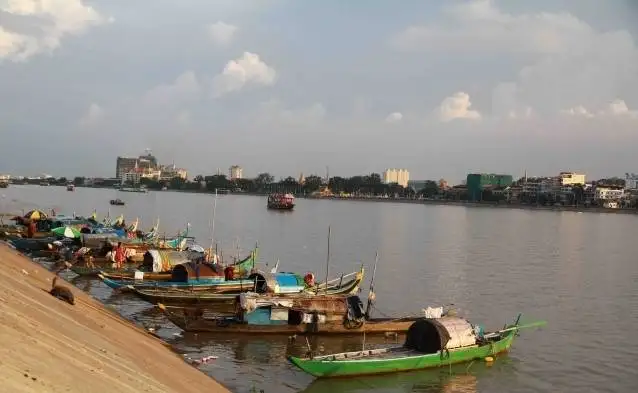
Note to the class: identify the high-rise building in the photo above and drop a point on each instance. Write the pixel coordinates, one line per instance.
(125, 165)
(235, 172)
(399, 176)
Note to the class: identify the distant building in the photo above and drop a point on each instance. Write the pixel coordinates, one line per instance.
(571, 178)
(631, 181)
(170, 172)
(235, 172)
(399, 176)
(132, 177)
(125, 165)
(608, 193)
(417, 185)
(477, 182)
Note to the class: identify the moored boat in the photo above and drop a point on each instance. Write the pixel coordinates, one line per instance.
(282, 284)
(280, 201)
(429, 343)
(117, 202)
(300, 314)
(142, 279)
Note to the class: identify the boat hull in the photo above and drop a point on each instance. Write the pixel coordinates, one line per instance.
(234, 286)
(172, 296)
(398, 360)
(192, 323)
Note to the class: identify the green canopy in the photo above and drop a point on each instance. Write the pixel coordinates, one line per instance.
(67, 231)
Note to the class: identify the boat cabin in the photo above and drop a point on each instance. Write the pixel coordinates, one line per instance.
(259, 310)
(278, 283)
(193, 272)
(430, 335)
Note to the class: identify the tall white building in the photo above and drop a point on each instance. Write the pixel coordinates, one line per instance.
(399, 176)
(235, 172)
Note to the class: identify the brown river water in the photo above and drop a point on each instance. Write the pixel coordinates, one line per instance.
(577, 271)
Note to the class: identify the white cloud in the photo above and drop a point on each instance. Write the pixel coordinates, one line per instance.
(578, 111)
(616, 108)
(457, 106)
(221, 33)
(245, 70)
(39, 26)
(94, 115)
(394, 117)
(184, 88)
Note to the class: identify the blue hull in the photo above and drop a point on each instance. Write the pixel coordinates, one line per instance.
(214, 284)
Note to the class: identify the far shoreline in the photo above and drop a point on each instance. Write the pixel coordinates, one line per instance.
(437, 202)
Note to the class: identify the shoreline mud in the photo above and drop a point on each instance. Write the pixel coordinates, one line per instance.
(49, 346)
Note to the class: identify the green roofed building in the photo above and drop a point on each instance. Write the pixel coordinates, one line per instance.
(477, 182)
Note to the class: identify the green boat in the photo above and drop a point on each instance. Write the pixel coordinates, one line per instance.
(429, 343)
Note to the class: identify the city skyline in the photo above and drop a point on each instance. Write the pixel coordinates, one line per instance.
(438, 88)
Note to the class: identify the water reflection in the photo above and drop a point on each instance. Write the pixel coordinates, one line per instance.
(427, 381)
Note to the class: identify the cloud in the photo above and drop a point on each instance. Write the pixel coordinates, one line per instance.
(94, 115)
(185, 87)
(457, 106)
(221, 33)
(616, 108)
(31, 27)
(480, 27)
(578, 111)
(394, 117)
(563, 61)
(248, 69)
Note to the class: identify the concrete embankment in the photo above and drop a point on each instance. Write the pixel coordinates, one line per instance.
(49, 346)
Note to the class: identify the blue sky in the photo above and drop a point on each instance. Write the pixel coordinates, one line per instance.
(439, 87)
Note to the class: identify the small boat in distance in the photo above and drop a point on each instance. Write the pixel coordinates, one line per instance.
(279, 201)
(44, 183)
(117, 202)
(134, 189)
(70, 187)
(4, 183)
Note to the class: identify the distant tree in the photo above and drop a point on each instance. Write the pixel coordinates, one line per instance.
(312, 183)
(430, 189)
(62, 180)
(198, 178)
(264, 178)
(78, 181)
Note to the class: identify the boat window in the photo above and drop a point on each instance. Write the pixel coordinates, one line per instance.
(295, 317)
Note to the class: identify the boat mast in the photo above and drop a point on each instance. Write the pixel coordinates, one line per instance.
(327, 261)
(371, 294)
(212, 224)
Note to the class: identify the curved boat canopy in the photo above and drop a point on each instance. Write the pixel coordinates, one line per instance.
(432, 335)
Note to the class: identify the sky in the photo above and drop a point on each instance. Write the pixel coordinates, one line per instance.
(439, 87)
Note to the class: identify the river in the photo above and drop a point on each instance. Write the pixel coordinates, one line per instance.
(577, 271)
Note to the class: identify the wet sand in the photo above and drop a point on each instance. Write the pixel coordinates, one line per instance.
(47, 345)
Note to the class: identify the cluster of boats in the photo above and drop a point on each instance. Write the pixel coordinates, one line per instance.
(201, 291)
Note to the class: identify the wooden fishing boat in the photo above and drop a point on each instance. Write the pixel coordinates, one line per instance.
(429, 343)
(300, 314)
(146, 279)
(284, 284)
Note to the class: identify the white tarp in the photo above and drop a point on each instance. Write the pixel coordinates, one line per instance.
(461, 332)
(157, 261)
(433, 312)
